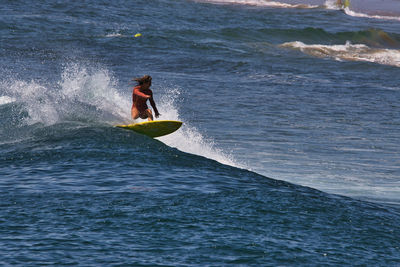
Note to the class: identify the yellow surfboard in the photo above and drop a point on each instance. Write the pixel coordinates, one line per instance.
(154, 128)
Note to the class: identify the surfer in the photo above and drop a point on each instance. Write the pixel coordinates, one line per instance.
(140, 94)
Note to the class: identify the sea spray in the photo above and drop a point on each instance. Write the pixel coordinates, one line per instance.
(36, 99)
(82, 94)
(188, 138)
(6, 99)
(95, 87)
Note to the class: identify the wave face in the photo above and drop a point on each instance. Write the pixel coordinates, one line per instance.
(290, 134)
(103, 189)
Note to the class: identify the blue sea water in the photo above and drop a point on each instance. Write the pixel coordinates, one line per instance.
(288, 155)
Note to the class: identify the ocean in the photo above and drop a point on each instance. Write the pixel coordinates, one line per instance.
(289, 153)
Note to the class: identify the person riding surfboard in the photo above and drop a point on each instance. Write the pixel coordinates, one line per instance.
(140, 94)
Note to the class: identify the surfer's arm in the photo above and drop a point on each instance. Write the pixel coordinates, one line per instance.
(153, 104)
(140, 94)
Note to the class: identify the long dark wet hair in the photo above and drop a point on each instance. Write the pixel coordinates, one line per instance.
(142, 80)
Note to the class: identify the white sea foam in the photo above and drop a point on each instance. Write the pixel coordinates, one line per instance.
(35, 99)
(188, 138)
(95, 87)
(349, 12)
(6, 99)
(329, 4)
(332, 4)
(114, 34)
(263, 3)
(349, 52)
(82, 92)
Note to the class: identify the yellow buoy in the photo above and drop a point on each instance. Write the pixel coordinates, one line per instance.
(137, 35)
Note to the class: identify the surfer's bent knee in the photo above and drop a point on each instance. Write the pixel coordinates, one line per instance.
(134, 113)
(148, 114)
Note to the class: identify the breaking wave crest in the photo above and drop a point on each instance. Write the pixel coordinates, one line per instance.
(90, 95)
(262, 3)
(82, 94)
(349, 52)
(354, 12)
(328, 4)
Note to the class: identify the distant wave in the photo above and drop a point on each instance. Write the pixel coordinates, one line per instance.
(349, 52)
(332, 4)
(263, 3)
(349, 12)
(372, 37)
(329, 4)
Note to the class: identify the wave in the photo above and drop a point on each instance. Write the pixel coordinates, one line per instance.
(349, 52)
(371, 37)
(81, 94)
(188, 139)
(328, 4)
(352, 13)
(348, 10)
(262, 3)
(90, 95)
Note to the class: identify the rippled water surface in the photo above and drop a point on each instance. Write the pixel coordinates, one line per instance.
(288, 154)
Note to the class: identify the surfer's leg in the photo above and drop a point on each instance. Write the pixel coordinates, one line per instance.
(146, 115)
(149, 114)
(134, 113)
